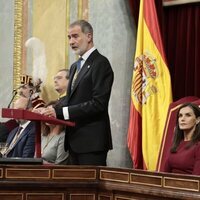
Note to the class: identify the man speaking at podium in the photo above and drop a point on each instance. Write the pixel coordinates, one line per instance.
(86, 103)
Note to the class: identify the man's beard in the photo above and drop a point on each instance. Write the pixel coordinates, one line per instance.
(77, 52)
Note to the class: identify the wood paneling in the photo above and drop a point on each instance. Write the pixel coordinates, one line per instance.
(1, 173)
(45, 196)
(146, 179)
(89, 174)
(181, 184)
(44, 182)
(9, 196)
(82, 196)
(114, 176)
(28, 173)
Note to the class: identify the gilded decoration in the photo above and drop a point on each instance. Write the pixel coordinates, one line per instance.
(18, 32)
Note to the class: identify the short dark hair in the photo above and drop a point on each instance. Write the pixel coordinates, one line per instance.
(86, 27)
(67, 72)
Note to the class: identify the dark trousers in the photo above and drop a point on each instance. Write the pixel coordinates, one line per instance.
(92, 158)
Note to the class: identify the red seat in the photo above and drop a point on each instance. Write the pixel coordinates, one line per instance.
(169, 129)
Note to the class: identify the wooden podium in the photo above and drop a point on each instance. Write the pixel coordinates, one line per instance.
(38, 118)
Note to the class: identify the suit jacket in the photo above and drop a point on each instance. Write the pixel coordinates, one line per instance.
(25, 145)
(88, 106)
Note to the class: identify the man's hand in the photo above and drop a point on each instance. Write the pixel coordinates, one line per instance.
(49, 111)
(21, 103)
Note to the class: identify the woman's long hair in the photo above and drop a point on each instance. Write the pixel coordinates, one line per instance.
(179, 134)
(46, 128)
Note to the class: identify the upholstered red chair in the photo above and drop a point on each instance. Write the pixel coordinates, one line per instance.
(169, 129)
(6, 128)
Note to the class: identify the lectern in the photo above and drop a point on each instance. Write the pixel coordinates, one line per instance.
(38, 118)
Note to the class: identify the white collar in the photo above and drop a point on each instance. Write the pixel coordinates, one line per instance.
(87, 54)
(24, 125)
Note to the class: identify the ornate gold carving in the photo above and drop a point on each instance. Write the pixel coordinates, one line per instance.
(67, 41)
(18, 32)
(80, 9)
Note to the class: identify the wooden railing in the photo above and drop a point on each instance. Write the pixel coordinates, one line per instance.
(44, 182)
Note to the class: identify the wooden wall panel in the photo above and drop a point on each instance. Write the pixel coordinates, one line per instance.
(82, 196)
(45, 196)
(11, 196)
(42, 182)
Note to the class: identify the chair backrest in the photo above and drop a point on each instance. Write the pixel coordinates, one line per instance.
(169, 129)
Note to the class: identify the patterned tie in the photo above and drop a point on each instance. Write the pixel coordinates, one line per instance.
(13, 142)
(78, 65)
(78, 68)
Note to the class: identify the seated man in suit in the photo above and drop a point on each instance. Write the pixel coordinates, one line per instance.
(21, 140)
(29, 90)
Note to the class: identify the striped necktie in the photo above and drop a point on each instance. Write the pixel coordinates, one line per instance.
(13, 142)
(78, 68)
(78, 65)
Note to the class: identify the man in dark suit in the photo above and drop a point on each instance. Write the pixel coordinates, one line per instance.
(29, 90)
(21, 140)
(87, 99)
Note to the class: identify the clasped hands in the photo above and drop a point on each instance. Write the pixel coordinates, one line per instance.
(48, 111)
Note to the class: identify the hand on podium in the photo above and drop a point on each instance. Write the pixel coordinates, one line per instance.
(48, 111)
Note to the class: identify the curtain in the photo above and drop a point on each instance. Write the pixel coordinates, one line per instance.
(180, 31)
(182, 44)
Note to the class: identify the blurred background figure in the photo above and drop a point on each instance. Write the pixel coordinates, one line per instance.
(31, 90)
(61, 82)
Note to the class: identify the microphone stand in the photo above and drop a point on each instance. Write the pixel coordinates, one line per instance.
(15, 91)
(14, 94)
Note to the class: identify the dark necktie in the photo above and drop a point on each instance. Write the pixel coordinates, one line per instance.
(78, 68)
(19, 130)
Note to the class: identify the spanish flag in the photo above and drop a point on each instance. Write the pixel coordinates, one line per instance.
(150, 92)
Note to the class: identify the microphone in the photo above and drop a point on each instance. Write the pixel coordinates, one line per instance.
(14, 94)
(15, 90)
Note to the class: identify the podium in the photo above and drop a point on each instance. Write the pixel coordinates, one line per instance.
(38, 118)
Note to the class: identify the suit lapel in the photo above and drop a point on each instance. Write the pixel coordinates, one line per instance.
(80, 75)
(12, 135)
(85, 68)
(24, 132)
